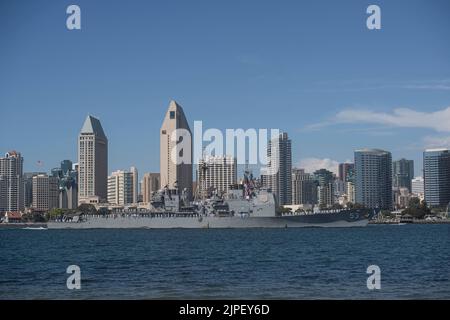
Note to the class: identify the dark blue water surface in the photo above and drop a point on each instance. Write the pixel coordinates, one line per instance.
(235, 264)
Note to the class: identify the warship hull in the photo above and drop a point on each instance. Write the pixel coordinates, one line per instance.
(335, 220)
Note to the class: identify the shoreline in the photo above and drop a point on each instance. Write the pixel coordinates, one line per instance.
(412, 222)
(36, 225)
(22, 225)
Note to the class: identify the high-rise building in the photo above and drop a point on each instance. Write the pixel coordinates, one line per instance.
(345, 171)
(121, 187)
(176, 150)
(402, 173)
(134, 173)
(28, 187)
(45, 192)
(67, 185)
(325, 189)
(216, 173)
(402, 196)
(325, 195)
(264, 179)
(351, 197)
(68, 192)
(278, 175)
(41, 192)
(150, 184)
(304, 187)
(297, 176)
(373, 178)
(11, 182)
(417, 185)
(66, 166)
(340, 188)
(436, 170)
(92, 162)
(53, 192)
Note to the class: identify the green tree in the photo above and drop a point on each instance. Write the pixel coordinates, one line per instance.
(414, 203)
(54, 213)
(417, 209)
(87, 208)
(103, 211)
(38, 217)
(34, 217)
(351, 205)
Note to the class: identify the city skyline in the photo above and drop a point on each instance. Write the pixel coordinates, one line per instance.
(388, 89)
(310, 164)
(308, 168)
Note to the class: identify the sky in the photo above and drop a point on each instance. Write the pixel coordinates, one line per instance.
(310, 68)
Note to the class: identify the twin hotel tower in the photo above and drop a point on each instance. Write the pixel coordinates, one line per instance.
(373, 180)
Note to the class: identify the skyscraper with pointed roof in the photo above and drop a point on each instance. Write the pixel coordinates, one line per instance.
(92, 162)
(173, 145)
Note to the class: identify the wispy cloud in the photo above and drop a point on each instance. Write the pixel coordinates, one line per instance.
(374, 131)
(436, 142)
(401, 117)
(443, 84)
(374, 85)
(428, 86)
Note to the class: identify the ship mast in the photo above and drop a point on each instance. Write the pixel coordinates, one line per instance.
(203, 171)
(248, 183)
(201, 191)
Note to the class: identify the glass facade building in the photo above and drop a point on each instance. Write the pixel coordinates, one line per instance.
(436, 169)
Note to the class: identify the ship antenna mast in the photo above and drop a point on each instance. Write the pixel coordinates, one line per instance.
(203, 169)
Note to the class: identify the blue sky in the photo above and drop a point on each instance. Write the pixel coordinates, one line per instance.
(310, 68)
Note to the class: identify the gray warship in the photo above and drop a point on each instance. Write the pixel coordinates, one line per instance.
(244, 206)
